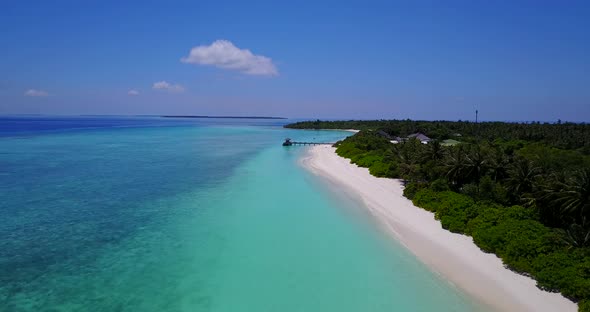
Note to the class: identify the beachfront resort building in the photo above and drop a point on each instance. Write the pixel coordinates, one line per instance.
(395, 140)
(420, 137)
(449, 142)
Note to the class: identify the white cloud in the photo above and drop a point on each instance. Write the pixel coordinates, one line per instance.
(224, 54)
(163, 85)
(132, 92)
(36, 93)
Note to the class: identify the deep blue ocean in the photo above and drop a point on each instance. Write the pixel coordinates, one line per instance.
(156, 214)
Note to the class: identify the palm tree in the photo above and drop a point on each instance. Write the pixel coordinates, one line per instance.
(522, 175)
(571, 195)
(407, 154)
(455, 165)
(434, 151)
(576, 235)
(477, 161)
(498, 164)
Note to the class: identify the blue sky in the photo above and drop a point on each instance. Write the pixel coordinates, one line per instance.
(512, 60)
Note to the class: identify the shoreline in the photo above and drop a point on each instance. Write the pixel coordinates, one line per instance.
(454, 256)
(347, 130)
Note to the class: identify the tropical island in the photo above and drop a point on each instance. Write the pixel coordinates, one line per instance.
(520, 190)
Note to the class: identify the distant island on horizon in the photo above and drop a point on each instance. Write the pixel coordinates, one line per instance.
(221, 117)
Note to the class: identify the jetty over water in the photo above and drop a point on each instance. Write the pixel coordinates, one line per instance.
(289, 142)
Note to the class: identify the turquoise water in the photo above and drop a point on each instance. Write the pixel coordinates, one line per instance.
(193, 216)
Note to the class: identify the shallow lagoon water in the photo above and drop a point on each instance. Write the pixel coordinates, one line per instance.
(192, 216)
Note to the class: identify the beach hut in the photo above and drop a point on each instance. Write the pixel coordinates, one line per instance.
(396, 140)
(385, 135)
(420, 137)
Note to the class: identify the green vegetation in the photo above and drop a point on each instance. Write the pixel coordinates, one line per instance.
(522, 191)
(560, 135)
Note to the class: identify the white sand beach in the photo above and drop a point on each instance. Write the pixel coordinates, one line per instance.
(455, 257)
(347, 130)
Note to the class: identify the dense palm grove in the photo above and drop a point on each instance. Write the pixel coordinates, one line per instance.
(560, 135)
(522, 191)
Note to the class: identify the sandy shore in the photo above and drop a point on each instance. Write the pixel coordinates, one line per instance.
(453, 256)
(347, 130)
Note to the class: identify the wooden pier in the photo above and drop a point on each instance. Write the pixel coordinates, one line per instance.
(288, 142)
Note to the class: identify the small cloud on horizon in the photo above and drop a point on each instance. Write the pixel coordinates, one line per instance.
(133, 92)
(164, 85)
(36, 93)
(224, 54)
